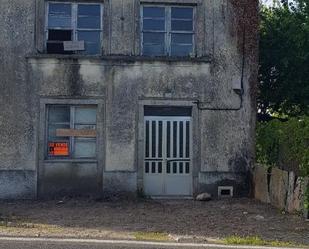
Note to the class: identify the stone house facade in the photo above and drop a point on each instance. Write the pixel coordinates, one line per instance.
(155, 97)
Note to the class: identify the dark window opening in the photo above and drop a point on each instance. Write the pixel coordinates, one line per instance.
(56, 39)
(59, 35)
(173, 111)
(225, 192)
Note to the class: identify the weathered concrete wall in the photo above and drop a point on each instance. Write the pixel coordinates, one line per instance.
(69, 178)
(17, 115)
(226, 63)
(17, 184)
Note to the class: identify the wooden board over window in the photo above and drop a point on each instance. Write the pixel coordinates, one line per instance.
(75, 133)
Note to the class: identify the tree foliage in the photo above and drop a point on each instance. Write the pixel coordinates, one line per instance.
(284, 59)
(284, 144)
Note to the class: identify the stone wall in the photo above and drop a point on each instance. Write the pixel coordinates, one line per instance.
(282, 189)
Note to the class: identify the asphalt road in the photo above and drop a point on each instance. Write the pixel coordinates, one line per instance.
(53, 245)
(12, 243)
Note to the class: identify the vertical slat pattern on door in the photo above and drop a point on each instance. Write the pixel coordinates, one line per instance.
(172, 140)
(167, 154)
(175, 139)
(154, 139)
(184, 135)
(180, 139)
(150, 139)
(146, 167)
(157, 139)
(187, 139)
(168, 139)
(147, 139)
(160, 139)
(153, 146)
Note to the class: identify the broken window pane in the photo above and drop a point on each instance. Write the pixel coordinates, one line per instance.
(56, 48)
(65, 20)
(59, 35)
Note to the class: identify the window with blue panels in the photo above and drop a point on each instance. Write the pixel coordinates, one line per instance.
(74, 22)
(89, 27)
(154, 31)
(167, 30)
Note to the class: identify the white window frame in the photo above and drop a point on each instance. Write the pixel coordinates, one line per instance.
(71, 139)
(74, 18)
(168, 27)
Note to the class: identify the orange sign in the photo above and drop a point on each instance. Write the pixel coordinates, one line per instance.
(58, 149)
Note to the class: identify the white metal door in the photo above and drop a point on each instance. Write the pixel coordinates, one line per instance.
(167, 164)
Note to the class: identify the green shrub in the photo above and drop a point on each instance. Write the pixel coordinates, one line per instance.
(285, 145)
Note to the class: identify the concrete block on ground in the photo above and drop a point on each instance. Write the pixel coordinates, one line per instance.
(203, 197)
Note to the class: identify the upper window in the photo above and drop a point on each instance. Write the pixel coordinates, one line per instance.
(71, 132)
(167, 30)
(73, 28)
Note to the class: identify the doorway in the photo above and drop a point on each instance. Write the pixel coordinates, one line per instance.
(167, 167)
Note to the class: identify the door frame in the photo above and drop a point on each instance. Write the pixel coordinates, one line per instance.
(195, 139)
